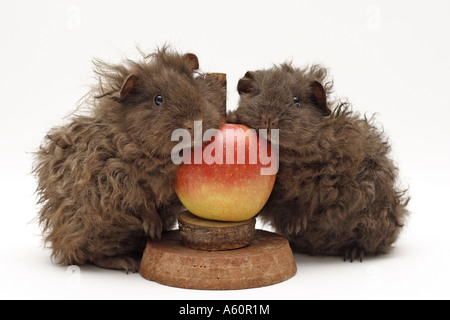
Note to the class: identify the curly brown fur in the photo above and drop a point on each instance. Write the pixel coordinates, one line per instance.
(105, 180)
(335, 192)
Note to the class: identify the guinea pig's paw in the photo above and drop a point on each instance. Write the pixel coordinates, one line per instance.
(152, 226)
(297, 224)
(126, 263)
(353, 253)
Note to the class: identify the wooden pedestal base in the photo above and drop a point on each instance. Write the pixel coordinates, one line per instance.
(267, 260)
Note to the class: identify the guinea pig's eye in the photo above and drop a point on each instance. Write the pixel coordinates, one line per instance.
(159, 100)
(296, 101)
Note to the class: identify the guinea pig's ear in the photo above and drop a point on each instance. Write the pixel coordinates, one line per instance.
(246, 84)
(319, 97)
(129, 83)
(191, 61)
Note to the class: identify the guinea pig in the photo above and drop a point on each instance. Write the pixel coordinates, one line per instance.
(336, 190)
(106, 179)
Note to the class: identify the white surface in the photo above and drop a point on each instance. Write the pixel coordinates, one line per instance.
(389, 57)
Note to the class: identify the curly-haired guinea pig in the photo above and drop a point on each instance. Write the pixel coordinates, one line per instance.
(335, 192)
(105, 180)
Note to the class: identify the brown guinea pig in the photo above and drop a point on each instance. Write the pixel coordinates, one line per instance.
(335, 192)
(105, 180)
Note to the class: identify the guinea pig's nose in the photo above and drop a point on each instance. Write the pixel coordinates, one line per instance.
(192, 125)
(269, 122)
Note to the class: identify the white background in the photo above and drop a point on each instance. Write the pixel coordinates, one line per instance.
(388, 57)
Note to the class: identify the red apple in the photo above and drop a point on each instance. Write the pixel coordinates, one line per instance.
(228, 187)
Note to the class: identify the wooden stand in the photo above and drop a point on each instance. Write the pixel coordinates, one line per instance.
(201, 234)
(265, 261)
(268, 260)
